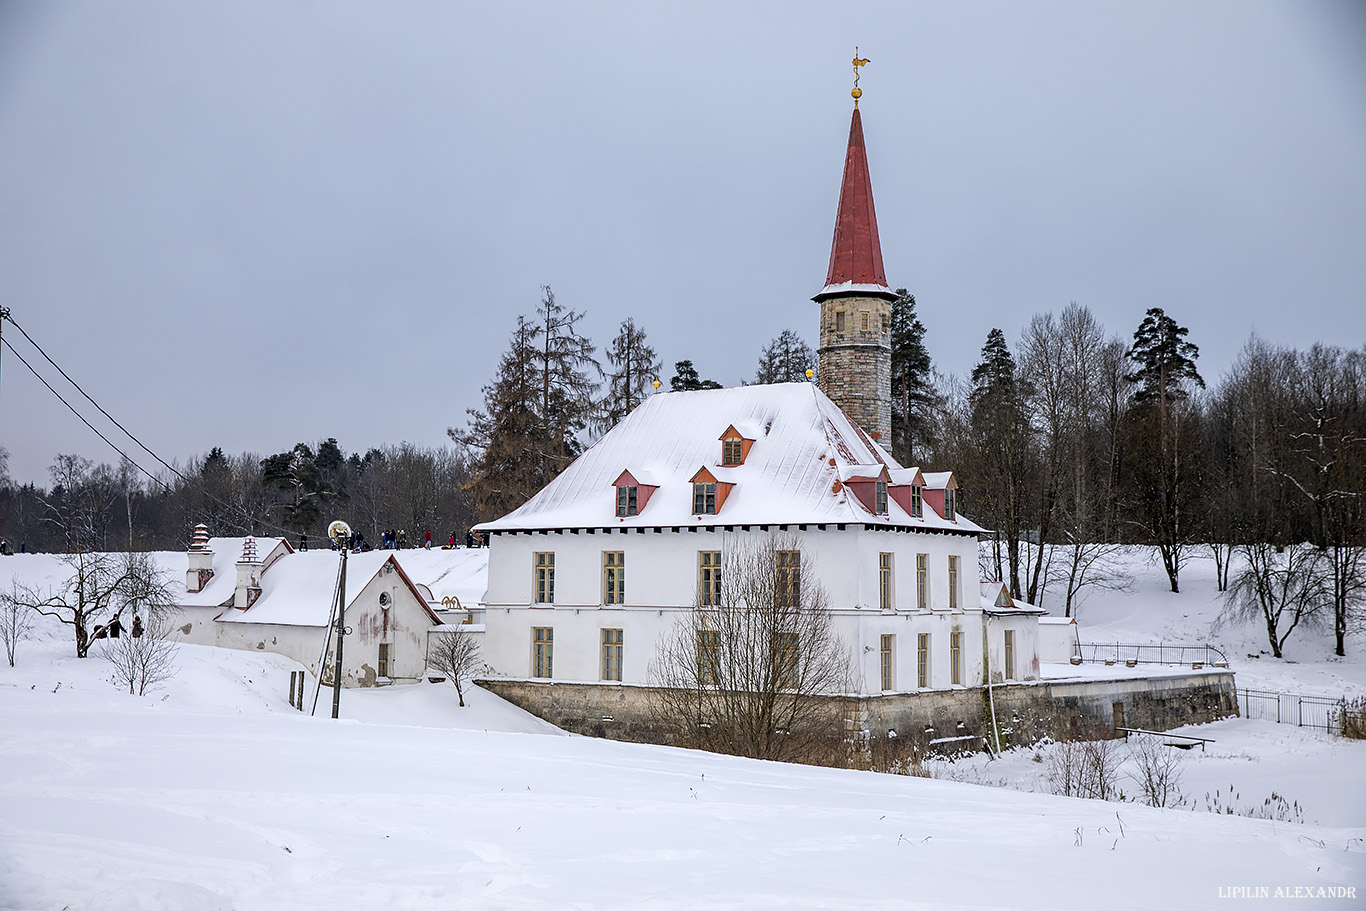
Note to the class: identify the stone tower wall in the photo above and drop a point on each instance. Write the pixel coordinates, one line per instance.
(856, 363)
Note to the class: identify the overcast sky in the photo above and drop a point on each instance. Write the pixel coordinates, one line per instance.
(249, 224)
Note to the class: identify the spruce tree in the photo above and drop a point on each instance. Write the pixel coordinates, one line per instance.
(785, 360)
(685, 378)
(632, 368)
(564, 361)
(913, 393)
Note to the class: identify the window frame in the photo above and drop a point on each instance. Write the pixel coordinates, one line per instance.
(863, 322)
(954, 600)
(922, 661)
(613, 577)
(922, 582)
(543, 579)
(709, 578)
(787, 568)
(628, 498)
(785, 648)
(704, 498)
(917, 501)
(385, 660)
(613, 642)
(956, 657)
(839, 321)
(708, 657)
(732, 451)
(543, 652)
(880, 497)
(884, 581)
(950, 504)
(1009, 645)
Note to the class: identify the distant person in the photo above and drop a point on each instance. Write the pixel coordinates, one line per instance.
(100, 631)
(451, 545)
(137, 627)
(427, 541)
(303, 542)
(402, 539)
(115, 627)
(469, 539)
(5, 549)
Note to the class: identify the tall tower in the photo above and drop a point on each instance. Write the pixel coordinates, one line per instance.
(856, 304)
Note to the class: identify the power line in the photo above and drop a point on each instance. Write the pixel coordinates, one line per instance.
(251, 520)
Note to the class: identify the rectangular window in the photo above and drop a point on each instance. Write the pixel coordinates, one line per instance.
(613, 577)
(612, 646)
(881, 497)
(789, 578)
(863, 322)
(956, 658)
(709, 577)
(953, 582)
(384, 659)
(917, 501)
(542, 651)
(545, 578)
(922, 660)
(922, 581)
(704, 499)
(839, 321)
(785, 660)
(1010, 654)
(887, 662)
(730, 451)
(884, 324)
(626, 500)
(708, 657)
(950, 506)
(884, 581)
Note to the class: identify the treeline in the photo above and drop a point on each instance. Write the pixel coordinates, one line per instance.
(1078, 441)
(106, 508)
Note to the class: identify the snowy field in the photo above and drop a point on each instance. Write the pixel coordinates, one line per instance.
(213, 793)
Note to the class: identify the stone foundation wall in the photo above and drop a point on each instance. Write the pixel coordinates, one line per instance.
(923, 722)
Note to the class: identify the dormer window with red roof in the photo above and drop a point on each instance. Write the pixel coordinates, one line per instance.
(917, 501)
(735, 445)
(949, 497)
(881, 498)
(709, 492)
(632, 493)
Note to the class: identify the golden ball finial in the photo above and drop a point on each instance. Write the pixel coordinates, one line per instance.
(857, 93)
(655, 383)
(809, 372)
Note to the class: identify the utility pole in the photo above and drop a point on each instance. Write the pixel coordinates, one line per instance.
(339, 532)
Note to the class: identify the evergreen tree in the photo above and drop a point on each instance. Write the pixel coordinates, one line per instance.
(633, 365)
(502, 436)
(564, 360)
(785, 360)
(685, 378)
(1000, 428)
(293, 477)
(913, 394)
(1164, 360)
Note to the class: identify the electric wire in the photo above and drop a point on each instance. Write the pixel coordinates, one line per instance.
(252, 521)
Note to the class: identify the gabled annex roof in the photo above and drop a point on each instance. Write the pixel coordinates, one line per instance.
(791, 476)
(226, 553)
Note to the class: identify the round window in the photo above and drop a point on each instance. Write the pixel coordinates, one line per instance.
(383, 599)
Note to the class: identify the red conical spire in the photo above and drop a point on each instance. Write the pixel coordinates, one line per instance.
(856, 255)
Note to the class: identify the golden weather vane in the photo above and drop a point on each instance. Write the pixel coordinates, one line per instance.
(858, 62)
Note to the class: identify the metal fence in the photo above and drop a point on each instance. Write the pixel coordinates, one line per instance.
(1160, 653)
(1322, 712)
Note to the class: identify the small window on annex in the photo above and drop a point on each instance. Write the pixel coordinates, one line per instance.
(732, 451)
(612, 647)
(627, 496)
(385, 659)
(545, 578)
(1010, 654)
(704, 498)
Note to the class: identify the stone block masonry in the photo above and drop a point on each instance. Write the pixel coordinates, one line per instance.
(856, 361)
(1025, 712)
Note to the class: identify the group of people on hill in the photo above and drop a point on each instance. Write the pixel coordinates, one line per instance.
(114, 628)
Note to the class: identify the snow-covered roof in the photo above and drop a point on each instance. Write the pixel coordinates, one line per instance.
(226, 553)
(937, 480)
(845, 287)
(789, 477)
(996, 599)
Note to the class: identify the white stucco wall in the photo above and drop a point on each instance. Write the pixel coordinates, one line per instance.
(661, 580)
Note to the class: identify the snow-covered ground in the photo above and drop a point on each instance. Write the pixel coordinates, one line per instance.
(212, 793)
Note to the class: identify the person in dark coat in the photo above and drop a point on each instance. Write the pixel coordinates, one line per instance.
(137, 627)
(115, 627)
(303, 543)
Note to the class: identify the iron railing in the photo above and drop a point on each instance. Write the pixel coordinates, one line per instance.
(1148, 653)
(1322, 712)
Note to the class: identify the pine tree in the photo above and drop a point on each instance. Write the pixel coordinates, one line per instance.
(633, 365)
(1165, 360)
(563, 361)
(685, 378)
(913, 394)
(785, 360)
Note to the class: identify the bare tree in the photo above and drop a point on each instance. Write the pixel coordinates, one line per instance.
(1157, 771)
(455, 653)
(751, 669)
(144, 658)
(16, 619)
(1283, 586)
(100, 587)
